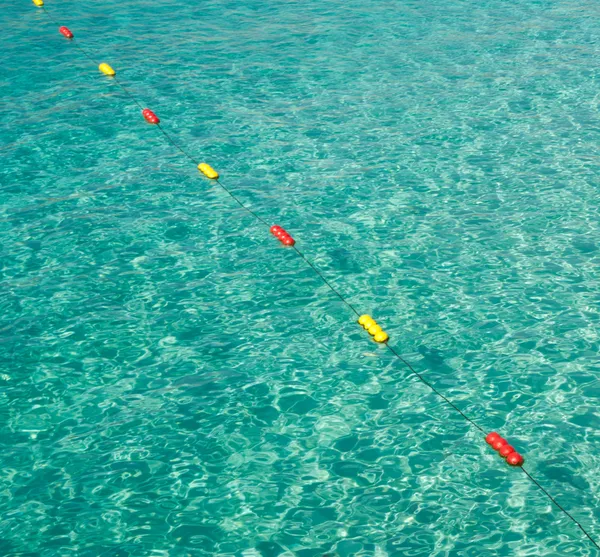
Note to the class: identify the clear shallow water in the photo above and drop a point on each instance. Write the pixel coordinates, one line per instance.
(175, 383)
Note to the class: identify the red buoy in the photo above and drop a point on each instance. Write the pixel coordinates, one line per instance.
(150, 117)
(282, 235)
(515, 459)
(65, 32)
(499, 443)
(506, 450)
(492, 437)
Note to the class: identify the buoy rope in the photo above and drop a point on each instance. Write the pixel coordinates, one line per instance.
(560, 507)
(128, 93)
(73, 40)
(237, 200)
(172, 141)
(334, 290)
(421, 378)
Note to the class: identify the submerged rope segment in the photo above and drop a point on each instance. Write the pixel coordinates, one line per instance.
(498, 443)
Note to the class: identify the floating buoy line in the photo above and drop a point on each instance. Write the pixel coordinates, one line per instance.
(374, 329)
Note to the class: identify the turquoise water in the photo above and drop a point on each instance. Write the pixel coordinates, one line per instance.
(175, 383)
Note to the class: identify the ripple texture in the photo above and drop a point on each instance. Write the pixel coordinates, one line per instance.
(173, 382)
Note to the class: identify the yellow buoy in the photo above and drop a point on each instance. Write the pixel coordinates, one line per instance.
(106, 69)
(369, 323)
(374, 329)
(381, 336)
(363, 318)
(38, 3)
(208, 171)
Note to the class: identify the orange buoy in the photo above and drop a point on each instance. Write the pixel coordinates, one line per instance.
(515, 459)
(65, 32)
(282, 235)
(150, 117)
(492, 438)
(499, 443)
